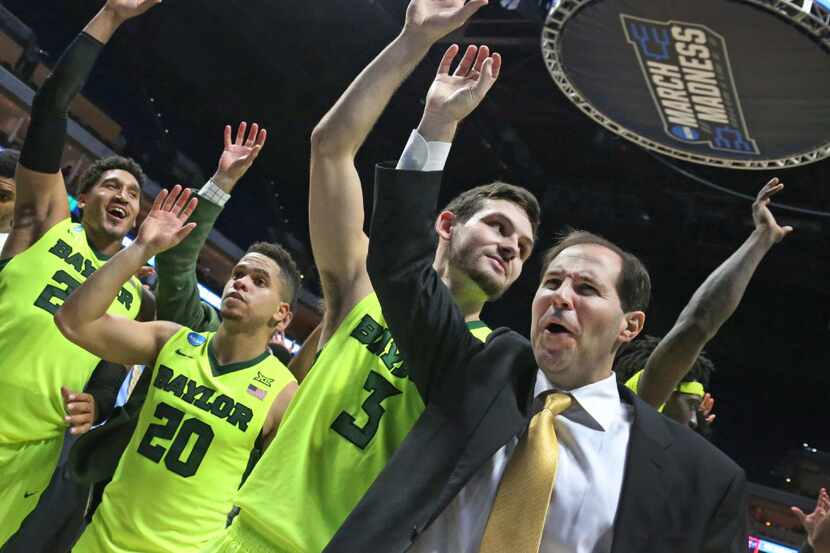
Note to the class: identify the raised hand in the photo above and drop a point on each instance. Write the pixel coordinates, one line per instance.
(434, 19)
(239, 154)
(704, 408)
(452, 97)
(817, 523)
(81, 410)
(126, 9)
(166, 225)
(763, 217)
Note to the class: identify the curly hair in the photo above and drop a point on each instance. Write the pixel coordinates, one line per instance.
(632, 357)
(93, 173)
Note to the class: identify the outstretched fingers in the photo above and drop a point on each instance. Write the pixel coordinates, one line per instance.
(240, 133)
(488, 76)
(252, 135)
(171, 198)
(446, 59)
(466, 61)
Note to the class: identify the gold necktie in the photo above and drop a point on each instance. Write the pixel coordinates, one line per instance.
(523, 498)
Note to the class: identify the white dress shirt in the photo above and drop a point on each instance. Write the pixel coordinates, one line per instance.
(420, 155)
(3, 236)
(593, 440)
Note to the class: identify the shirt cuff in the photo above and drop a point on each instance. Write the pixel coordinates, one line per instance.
(420, 155)
(214, 194)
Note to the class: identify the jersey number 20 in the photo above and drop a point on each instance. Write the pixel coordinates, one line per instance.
(173, 426)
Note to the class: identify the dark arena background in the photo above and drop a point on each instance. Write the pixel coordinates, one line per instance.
(653, 122)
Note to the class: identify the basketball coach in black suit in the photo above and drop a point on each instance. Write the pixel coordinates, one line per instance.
(528, 446)
(629, 479)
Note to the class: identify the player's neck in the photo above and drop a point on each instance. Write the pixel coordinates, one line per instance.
(230, 346)
(467, 295)
(105, 244)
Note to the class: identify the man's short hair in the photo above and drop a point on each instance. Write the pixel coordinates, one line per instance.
(89, 177)
(466, 204)
(289, 273)
(8, 162)
(632, 357)
(634, 282)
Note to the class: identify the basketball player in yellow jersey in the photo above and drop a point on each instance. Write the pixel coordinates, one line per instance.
(44, 258)
(211, 395)
(357, 404)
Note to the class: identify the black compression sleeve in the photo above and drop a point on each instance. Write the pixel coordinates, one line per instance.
(43, 147)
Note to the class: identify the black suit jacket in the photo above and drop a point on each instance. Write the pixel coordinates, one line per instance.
(680, 494)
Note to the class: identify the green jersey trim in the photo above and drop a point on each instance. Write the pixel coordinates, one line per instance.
(219, 370)
(473, 325)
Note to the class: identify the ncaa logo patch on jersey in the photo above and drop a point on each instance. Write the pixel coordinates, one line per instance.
(196, 339)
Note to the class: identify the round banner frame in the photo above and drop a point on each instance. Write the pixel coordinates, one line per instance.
(807, 16)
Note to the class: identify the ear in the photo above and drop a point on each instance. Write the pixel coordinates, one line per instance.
(633, 323)
(444, 224)
(281, 318)
(82, 200)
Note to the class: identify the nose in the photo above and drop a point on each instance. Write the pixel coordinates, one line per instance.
(561, 298)
(509, 248)
(241, 283)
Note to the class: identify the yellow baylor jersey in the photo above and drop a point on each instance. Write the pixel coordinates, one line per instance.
(351, 413)
(36, 359)
(175, 483)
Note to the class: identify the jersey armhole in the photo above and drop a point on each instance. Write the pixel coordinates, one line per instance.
(4, 262)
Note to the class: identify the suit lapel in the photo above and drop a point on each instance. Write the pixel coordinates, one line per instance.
(643, 494)
(506, 418)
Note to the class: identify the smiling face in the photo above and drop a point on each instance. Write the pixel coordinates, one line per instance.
(253, 296)
(112, 204)
(490, 247)
(577, 318)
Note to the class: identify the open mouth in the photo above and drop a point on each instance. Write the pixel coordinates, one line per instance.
(117, 212)
(556, 328)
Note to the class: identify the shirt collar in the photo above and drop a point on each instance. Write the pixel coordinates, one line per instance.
(596, 405)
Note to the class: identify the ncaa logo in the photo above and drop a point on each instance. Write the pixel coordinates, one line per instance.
(196, 339)
(685, 133)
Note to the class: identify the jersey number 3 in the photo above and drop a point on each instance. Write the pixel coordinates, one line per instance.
(173, 426)
(344, 423)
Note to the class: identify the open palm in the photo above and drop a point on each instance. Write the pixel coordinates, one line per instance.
(238, 155)
(817, 523)
(452, 97)
(761, 214)
(438, 18)
(166, 225)
(131, 8)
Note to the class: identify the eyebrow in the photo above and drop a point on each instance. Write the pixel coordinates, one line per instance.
(581, 275)
(253, 270)
(527, 240)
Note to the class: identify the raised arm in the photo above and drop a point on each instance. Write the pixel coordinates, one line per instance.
(711, 305)
(335, 196)
(41, 194)
(83, 318)
(428, 326)
(178, 293)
